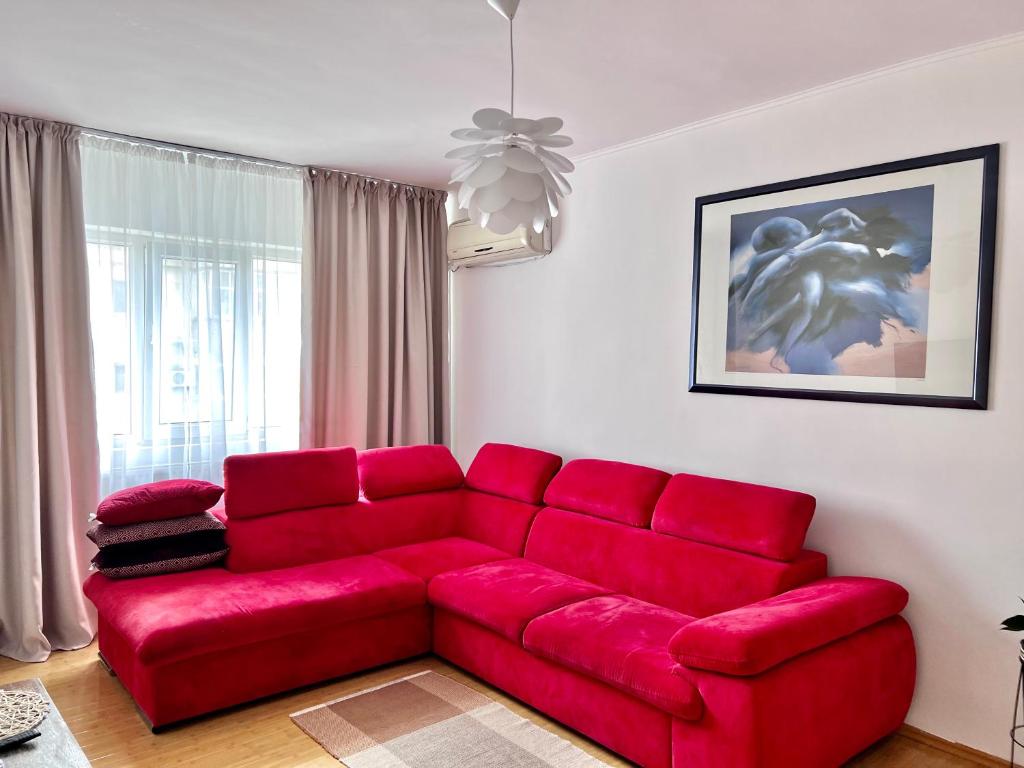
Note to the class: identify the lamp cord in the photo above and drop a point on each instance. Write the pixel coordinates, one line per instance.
(512, 69)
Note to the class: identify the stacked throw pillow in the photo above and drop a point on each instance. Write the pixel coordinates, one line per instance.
(160, 527)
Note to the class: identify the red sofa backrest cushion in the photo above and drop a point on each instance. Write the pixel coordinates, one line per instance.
(304, 536)
(625, 493)
(494, 520)
(512, 471)
(504, 487)
(686, 576)
(386, 472)
(265, 483)
(770, 522)
(300, 507)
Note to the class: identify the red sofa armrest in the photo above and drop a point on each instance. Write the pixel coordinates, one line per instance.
(757, 637)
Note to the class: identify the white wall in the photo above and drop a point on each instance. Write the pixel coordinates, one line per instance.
(586, 353)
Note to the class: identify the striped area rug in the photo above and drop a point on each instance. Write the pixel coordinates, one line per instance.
(428, 720)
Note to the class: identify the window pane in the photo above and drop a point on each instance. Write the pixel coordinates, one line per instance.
(196, 329)
(195, 274)
(112, 333)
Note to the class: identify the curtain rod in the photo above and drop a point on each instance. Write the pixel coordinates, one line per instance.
(238, 156)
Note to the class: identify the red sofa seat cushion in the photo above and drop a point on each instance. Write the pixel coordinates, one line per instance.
(625, 493)
(429, 558)
(385, 472)
(771, 522)
(511, 471)
(757, 637)
(160, 500)
(504, 596)
(180, 615)
(264, 483)
(620, 641)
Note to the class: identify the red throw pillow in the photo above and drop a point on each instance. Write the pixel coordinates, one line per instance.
(161, 500)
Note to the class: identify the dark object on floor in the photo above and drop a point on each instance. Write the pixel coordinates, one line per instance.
(55, 746)
(19, 738)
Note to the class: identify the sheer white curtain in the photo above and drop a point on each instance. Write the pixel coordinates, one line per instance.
(195, 296)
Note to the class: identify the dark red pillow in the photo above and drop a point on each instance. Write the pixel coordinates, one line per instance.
(161, 500)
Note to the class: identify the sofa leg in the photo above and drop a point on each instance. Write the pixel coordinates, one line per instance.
(106, 666)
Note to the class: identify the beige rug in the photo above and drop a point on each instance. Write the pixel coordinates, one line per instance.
(431, 721)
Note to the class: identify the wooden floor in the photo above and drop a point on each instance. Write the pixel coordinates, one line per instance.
(104, 720)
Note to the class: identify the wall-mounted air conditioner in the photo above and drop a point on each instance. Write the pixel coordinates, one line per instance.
(473, 246)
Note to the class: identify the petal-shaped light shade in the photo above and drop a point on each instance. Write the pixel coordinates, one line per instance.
(509, 178)
(490, 170)
(518, 211)
(518, 125)
(477, 134)
(552, 200)
(490, 118)
(522, 160)
(558, 140)
(555, 160)
(547, 125)
(554, 178)
(526, 187)
(480, 217)
(465, 195)
(471, 150)
(461, 173)
(492, 198)
(499, 223)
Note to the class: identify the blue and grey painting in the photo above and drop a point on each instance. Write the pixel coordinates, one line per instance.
(832, 287)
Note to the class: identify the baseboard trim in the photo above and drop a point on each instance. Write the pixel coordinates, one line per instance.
(950, 747)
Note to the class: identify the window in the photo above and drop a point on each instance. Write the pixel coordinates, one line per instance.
(195, 288)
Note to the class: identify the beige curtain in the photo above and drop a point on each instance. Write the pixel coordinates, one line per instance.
(377, 307)
(48, 448)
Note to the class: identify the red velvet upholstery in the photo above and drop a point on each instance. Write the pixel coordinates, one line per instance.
(160, 500)
(620, 641)
(779, 666)
(623, 723)
(429, 558)
(819, 709)
(493, 520)
(613, 490)
(770, 522)
(263, 483)
(516, 473)
(256, 667)
(163, 618)
(756, 637)
(323, 533)
(504, 596)
(385, 472)
(695, 579)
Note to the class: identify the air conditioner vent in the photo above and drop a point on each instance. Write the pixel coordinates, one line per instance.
(473, 246)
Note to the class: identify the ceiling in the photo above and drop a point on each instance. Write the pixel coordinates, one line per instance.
(375, 86)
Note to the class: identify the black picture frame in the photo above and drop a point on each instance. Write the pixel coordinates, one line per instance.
(978, 399)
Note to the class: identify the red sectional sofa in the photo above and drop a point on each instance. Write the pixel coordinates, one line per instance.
(677, 620)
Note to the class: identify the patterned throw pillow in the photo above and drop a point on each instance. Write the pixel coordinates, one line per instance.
(156, 567)
(159, 546)
(162, 500)
(103, 535)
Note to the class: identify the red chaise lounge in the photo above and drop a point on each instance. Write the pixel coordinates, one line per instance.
(677, 620)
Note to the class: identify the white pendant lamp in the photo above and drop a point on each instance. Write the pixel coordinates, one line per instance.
(510, 176)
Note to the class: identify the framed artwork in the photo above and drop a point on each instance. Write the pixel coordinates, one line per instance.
(872, 285)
